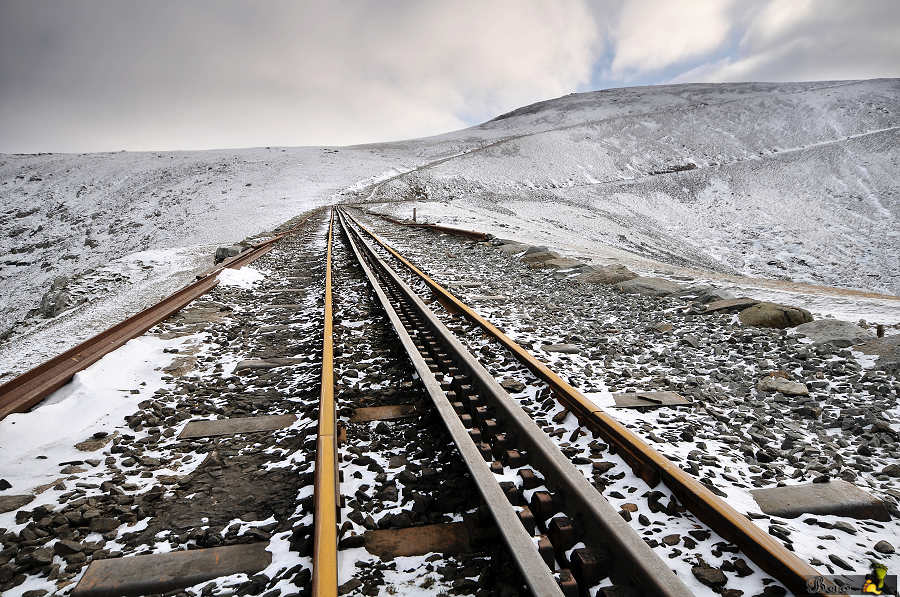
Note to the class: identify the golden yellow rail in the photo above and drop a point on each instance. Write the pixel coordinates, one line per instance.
(327, 481)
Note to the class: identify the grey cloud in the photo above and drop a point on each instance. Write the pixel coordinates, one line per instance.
(110, 74)
(805, 40)
(94, 75)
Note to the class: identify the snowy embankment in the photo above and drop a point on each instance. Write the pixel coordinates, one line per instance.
(123, 230)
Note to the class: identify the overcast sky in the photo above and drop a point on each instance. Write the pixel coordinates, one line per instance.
(103, 75)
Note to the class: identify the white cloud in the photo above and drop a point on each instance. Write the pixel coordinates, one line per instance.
(652, 35)
(805, 41)
(109, 74)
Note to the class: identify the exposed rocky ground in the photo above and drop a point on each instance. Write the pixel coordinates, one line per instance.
(769, 406)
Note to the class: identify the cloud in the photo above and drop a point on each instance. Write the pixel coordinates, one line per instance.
(94, 75)
(113, 74)
(805, 41)
(652, 35)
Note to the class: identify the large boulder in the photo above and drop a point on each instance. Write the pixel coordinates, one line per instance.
(731, 305)
(705, 294)
(55, 299)
(513, 248)
(560, 263)
(835, 332)
(648, 286)
(606, 274)
(773, 315)
(223, 253)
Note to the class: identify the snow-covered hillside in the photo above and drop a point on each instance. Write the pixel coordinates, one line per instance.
(64, 215)
(797, 181)
(776, 180)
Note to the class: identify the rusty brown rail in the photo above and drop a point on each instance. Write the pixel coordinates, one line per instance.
(648, 463)
(448, 229)
(25, 391)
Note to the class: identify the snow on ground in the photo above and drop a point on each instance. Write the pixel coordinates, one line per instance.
(790, 180)
(244, 277)
(531, 228)
(33, 444)
(101, 297)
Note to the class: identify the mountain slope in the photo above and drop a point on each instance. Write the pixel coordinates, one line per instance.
(794, 180)
(775, 180)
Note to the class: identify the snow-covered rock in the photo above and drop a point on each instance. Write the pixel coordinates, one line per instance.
(833, 331)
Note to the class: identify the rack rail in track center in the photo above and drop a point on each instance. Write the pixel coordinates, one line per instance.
(495, 437)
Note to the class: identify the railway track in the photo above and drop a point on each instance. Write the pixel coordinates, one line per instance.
(26, 390)
(562, 535)
(499, 441)
(647, 463)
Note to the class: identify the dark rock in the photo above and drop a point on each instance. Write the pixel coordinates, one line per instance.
(606, 274)
(887, 349)
(741, 567)
(563, 348)
(835, 332)
(708, 575)
(223, 253)
(64, 547)
(55, 299)
(845, 526)
(512, 385)
(884, 547)
(8, 503)
(839, 562)
(41, 557)
(891, 470)
(103, 525)
(771, 383)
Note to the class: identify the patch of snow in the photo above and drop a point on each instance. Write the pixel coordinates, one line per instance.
(244, 277)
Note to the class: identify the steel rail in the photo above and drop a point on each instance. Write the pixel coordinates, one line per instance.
(25, 391)
(600, 525)
(647, 462)
(438, 227)
(327, 480)
(534, 571)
